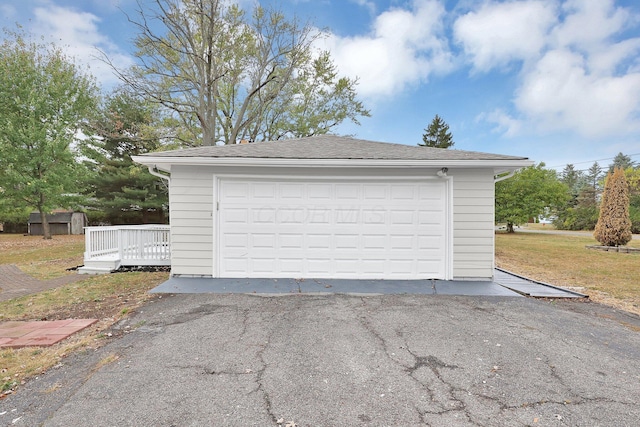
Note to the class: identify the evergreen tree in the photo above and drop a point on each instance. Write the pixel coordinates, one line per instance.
(614, 226)
(621, 161)
(437, 134)
(633, 179)
(574, 180)
(125, 192)
(594, 174)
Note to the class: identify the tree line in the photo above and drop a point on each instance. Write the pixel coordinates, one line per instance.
(207, 73)
(572, 198)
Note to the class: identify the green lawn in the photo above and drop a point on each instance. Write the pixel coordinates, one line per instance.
(563, 260)
(108, 298)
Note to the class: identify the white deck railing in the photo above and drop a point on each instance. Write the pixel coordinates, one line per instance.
(136, 245)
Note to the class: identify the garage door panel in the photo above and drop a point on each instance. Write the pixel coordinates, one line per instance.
(347, 192)
(319, 266)
(319, 241)
(319, 216)
(319, 191)
(373, 267)
(346, 241)
(374, 192)
(264, 215)
(331, 229)
(236, 265)
(374, 242)
(350, 215)
(397, 217)
(262, 266)
(400, 242)
(374, 216)
(235, 191)
(291, 241)
(431, 242)
(291, 215)
(426, 267)
(236, 215)
(264, 191)
(403, 192)
(291, 191)
(264, 241)
(292, 266)
(235, 240)
(347, 266)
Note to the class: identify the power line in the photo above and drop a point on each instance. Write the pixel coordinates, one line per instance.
(591, 161)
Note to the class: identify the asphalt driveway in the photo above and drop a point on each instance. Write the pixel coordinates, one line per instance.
(339, 360)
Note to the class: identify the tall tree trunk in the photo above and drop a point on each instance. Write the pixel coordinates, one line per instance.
(510, 227)
(46, 230)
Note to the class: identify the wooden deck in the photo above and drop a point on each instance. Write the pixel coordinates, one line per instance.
(111, 247)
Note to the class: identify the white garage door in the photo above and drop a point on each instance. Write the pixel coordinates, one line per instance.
(329, 229)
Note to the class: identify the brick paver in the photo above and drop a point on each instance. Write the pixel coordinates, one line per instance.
(15, 283)
(16, 334)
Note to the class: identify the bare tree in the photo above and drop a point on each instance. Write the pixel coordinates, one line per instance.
(220, 73)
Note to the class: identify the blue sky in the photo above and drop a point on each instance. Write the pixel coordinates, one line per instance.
(553, 80)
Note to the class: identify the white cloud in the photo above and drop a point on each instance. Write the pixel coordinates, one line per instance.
(499, 33)
(505, 124)
(405, 47)
(370, 5)
(576, 72)
(560, 94)
(589, 23)
(78, 34)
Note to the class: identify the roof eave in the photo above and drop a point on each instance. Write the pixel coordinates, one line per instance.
(165, 163)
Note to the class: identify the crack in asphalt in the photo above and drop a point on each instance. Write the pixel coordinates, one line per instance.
(448, 401)
(434, 364)
(273, 325)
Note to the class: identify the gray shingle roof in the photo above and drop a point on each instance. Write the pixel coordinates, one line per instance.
(56, 217)
(330, 147)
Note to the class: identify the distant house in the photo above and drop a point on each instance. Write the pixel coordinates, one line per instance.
(63, 222)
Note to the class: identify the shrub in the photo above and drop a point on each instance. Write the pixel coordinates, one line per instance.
(614, 226)
(634, 215)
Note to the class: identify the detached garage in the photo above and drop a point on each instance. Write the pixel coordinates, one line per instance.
(331, 207)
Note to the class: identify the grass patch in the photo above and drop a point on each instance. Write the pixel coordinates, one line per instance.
(42, 259)
(108, 297)
(563, 260)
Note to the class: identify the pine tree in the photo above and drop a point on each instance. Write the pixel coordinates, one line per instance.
(574, 180)
(622, 161)
(437, 134)
(614, 226)
(125, 192)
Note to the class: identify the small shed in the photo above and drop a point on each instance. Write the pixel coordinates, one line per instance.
(63, 222)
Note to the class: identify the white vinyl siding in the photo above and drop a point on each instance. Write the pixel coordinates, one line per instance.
(473, 223)
(191, 216)
(192, 213)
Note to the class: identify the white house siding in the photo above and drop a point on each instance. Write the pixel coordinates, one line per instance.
(191, 209)
(192, 203)
(473, 224)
